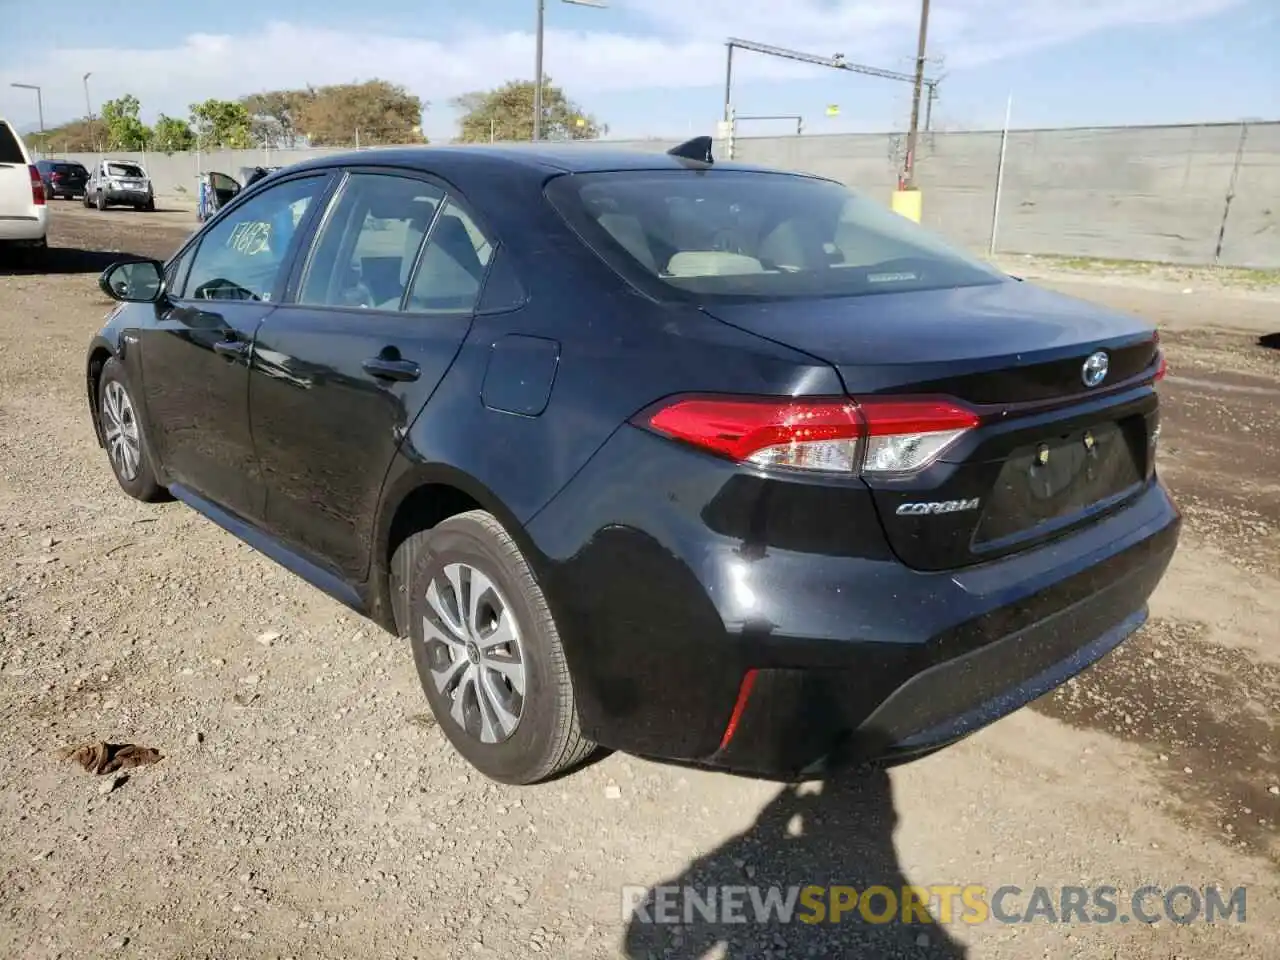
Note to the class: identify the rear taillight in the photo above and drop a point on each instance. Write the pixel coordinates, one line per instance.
(1162, 367)
(37, 186)
(876, 437)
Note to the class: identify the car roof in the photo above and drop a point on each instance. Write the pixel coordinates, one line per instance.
(541, 159)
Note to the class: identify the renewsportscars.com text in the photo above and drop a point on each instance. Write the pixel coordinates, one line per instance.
(945, 903)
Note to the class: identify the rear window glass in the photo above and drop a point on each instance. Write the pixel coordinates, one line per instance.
(10, 149)
(68, 168)
(744, 235)
(124, 170)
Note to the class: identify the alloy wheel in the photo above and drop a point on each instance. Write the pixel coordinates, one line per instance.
(120, 427)
(475, 652)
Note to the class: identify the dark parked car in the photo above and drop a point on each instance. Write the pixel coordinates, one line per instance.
(63, 179)
(688, 459)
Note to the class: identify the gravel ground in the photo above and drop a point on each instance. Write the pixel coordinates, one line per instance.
(306, 805)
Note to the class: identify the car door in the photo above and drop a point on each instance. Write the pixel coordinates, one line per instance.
(195, 358)
(382, 305)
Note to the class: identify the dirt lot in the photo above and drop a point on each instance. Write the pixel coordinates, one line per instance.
(306, 806)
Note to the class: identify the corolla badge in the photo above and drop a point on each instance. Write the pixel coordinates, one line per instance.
(1095, 369)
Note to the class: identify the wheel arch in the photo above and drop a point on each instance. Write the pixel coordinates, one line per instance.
(417, 497)
(99, 353)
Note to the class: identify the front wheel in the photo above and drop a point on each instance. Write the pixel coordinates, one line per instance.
(102, 200)
(487, 651)
(125, 437)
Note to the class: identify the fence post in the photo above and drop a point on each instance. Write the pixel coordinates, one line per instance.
(1231, 191)
(995, 206)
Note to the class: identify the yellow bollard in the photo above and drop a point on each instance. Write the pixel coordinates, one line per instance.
(907, 203)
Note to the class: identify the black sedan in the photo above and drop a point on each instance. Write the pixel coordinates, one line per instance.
(692, 460)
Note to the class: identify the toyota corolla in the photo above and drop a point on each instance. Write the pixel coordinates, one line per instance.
(688, 459)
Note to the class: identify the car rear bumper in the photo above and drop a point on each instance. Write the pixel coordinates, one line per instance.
(663, 619)
(128, 196)
(29, 227)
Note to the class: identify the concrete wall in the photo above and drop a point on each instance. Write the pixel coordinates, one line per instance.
(1188, 194)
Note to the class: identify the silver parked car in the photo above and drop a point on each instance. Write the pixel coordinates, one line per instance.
(119, 183)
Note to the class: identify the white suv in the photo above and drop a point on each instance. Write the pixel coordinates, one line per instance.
(24, 214)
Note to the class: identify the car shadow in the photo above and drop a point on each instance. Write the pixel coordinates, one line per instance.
(836, 832)
(60, 261)
(1271, 340)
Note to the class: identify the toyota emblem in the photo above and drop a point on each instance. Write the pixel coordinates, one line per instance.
(1095, 369)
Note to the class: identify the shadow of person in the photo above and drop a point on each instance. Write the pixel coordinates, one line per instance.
(835, 833)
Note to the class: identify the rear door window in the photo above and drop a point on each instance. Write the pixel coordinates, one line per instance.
(364, 255)
(453, 264)
(10, 148)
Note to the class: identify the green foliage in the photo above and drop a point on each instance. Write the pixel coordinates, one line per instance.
(374, 112)
(274, 116)
(221, 123)
(125, 131)
(78, 136)
(506, 113)
(171, 135)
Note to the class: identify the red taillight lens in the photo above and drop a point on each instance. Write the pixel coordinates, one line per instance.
(875, 436)
(804, 435)
(37, 186)
(1162, 367)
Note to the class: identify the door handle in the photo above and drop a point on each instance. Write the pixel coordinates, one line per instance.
(387, 369)
(231, 349)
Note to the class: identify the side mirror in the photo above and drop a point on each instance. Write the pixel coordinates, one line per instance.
(134, 281)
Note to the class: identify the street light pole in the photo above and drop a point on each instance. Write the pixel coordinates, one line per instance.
(39, 101)
(537, 74)
(537, 57)
(913, 134)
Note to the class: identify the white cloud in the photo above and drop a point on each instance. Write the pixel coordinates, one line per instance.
(684, 47)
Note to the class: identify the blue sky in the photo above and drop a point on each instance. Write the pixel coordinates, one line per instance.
(655, 67)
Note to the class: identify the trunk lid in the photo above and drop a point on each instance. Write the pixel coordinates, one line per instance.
(1051, 452)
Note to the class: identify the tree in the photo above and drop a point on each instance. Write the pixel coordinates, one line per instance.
(76, 136)
(171, 135)
(506, 113)
(274, 116)
(221, 123)
(372, 112)
(125, 131)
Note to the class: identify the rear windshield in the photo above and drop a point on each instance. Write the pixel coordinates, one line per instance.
(124, 170)
(744, 235)
(68, 168)
(10, 149)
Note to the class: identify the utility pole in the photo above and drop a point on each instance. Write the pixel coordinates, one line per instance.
(537, 57)
(537, 73)
(913, 134)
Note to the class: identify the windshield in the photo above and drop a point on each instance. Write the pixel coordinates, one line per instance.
(124, 170)
(738, 234)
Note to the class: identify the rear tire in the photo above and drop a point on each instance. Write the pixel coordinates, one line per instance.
(149, 206)
(490, 663)
(101, 201)
(127, 445)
